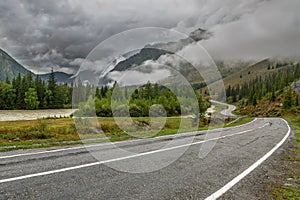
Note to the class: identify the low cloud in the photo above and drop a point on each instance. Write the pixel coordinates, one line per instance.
(149, 71)
(272, 31)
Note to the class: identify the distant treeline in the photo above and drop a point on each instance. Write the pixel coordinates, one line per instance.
(29, 92)
(142, 100)
(250, 92)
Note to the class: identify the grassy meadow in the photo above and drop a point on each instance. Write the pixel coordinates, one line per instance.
(63, 131)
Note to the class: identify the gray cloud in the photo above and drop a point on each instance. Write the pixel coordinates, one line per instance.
(59, 34)
(54, 33)
(272, 31)
(149, 71)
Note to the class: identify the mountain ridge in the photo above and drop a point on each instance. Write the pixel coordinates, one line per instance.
(10, 67)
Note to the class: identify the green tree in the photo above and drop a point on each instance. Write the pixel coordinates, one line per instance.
(31, 99)
(98, 94)
(86, 109)
(7, 96)
(287, 103)
(273, 97)
(297, 99)
(17, 85)
(52, 88)
(7, 81)
(40, 89)
(254, 100)
(134, 110)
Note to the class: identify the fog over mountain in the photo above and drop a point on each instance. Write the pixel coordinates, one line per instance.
(59, 34)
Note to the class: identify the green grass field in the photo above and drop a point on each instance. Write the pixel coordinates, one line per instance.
(63, 131)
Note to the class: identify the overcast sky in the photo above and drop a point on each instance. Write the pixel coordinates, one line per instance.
(45, 34)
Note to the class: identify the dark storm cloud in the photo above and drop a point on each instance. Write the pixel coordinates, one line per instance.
(45, 34)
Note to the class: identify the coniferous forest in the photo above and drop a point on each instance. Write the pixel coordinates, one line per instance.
(33, 93)
(270, 86)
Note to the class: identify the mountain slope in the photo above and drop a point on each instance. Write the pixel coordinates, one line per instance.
(251, 72)
(9, 67)
(139, 58)
(154, 51)
(260, 69)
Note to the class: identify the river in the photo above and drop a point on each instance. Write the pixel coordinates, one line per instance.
(15, 115)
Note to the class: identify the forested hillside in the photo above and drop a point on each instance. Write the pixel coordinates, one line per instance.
(267, 95)
(260, 87)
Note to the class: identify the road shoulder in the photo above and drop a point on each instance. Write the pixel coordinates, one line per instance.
(264, 182)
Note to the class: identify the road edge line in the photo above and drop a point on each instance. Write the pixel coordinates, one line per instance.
(238, 178)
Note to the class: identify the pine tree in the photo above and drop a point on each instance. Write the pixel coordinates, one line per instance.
(287, 103)
(7, 96)
(52, 88)
(297, 99)
(18, 88)
(31, 99)
(98, 94)
(7, 81)
(273, 97)
(254, 100)
(39, 87)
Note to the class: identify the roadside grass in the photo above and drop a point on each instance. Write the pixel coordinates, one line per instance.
(240, 122)
(289, 186)
(286, 192)
(37, 133)
(284, 181)
(55, 132)
(43, 133)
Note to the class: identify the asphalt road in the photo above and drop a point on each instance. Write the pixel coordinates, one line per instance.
(75, 173)
(228, 111)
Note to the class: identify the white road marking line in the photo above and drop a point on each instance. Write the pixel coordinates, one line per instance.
(119, 159)
(238, 178)
(113, 143)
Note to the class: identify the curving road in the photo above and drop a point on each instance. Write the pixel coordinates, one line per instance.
(228, 111)
(73, 172)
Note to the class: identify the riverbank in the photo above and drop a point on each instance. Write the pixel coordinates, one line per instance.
(15, 115)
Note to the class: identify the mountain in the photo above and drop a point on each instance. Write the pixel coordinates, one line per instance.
(60, 77)
(154, 51)
(262, 69)
(9, 67)
(139, 58)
